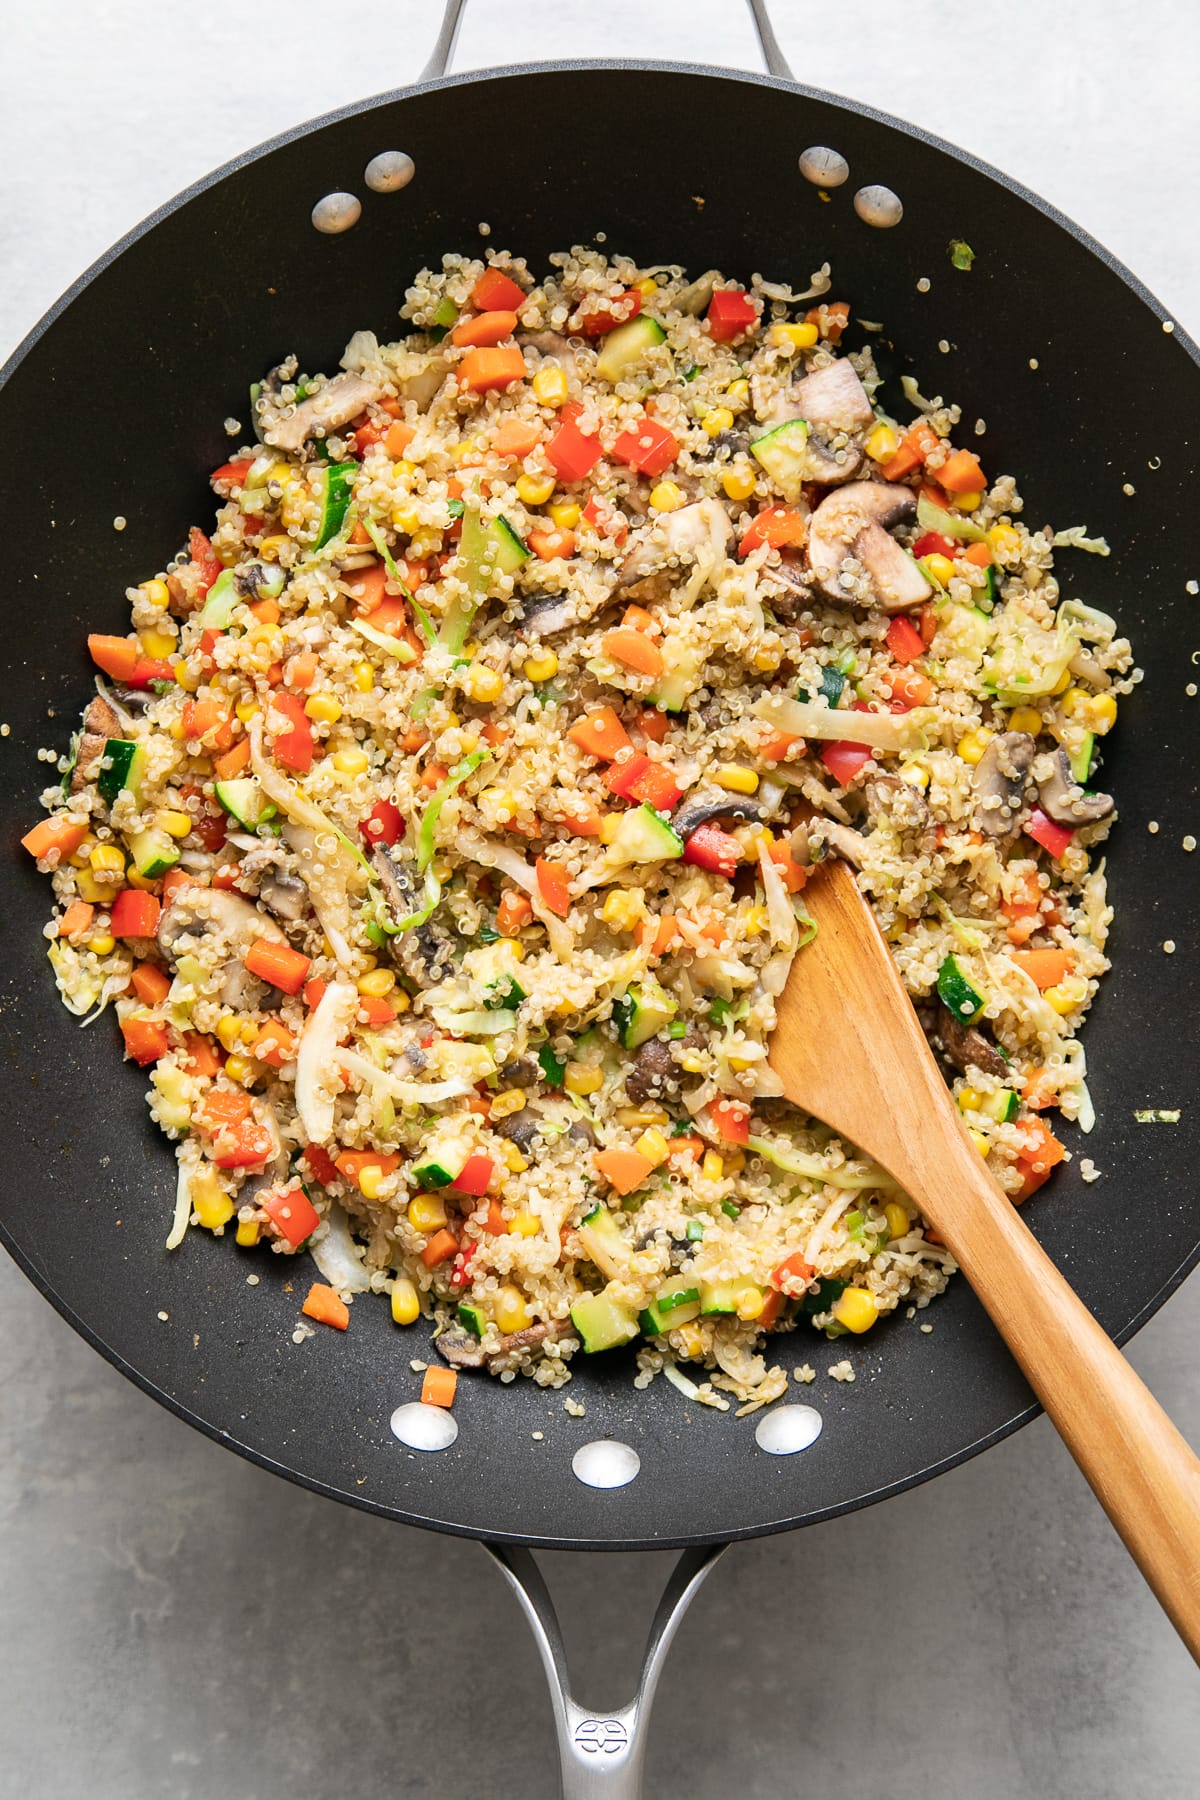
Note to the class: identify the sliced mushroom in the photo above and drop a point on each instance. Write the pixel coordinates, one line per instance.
(715, 803)
(676, 537)
(843, 840)
(520, 1128)
(545, 1331)
(999, 782)
(423, 387)
(834, 400)
(525, 1072)
(1064, 800)
(851, 555)
(197, 912)
(339, 401)
(903, 805)
(285, 895)
(653, 1073)
(425, 951)
(693, 299)
(965, 1046)
(830, 468)
(100, 723)
(786, 586)
(552, 343)
(461, 1350)
(545, 615)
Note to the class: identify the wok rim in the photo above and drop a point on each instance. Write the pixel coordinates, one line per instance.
(143, 228)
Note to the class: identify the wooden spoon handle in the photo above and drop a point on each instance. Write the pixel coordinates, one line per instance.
(1144, 1474)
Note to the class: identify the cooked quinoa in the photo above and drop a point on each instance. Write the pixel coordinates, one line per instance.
(439, 833)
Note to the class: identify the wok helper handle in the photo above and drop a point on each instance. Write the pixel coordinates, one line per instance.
(447, 37)
(601, 1754)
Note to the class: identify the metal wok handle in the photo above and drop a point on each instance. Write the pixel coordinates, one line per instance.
(601, 1753)
(447, 37)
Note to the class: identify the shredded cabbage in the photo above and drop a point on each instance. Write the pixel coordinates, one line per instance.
(512, 863)
(183, 1203)
(409, 1093)
(804, 718)
(426, 835)
(1075, 538)
(316, 1059)
(854, 1178)
(338, 1258)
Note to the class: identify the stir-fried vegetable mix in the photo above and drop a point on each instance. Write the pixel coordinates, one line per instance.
(439, 831)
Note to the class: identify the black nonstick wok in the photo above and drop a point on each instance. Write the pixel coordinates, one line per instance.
(114, 408)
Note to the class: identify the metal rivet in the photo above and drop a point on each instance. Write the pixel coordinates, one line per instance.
(337, 212)
(824, 167)
(388, 171)
(788, 1429)
(605, 1463)
(424, 1427)
(878, 206)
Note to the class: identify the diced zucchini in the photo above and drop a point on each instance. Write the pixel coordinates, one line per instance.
(553, 1068)
(1081, 759)
(822, 1300)
(674, 1304)
(511, 553)
(473, 1317)
(337, 484)
(643, 836)
(245, 801)
(627, 345)
(603, 1324)
(832, 683)
(642, 1012)
(123, 765)
(445, 315)
(153, 853)
(956, 993)
(605, 1244)
(783, 453)
(1002, 1106)
(433, 1175)
(220, 603)
(680, 677)
(948, 524)
(722, 1296)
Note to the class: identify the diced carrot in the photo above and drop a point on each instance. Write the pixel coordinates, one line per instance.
(1045, 967)
(61, 833)
(145, 1039)
(634, 650)
(351, 1163)
(201, 1056)
(688, 1143)
(624, 1170)
(517, 437)
(553, 887)
(326, 1306)
(439, 1386)
(552, 543)
(772, 1306)
(792, 1275)
(209, 723)
(778, 526)
(265, 611)
(441, 1246)
(584, 822)
(911, 687)
(1041, 1152)
(777, 745)
(484, 371)
(927, 623)
(275, 1044)
(150, 983)
(495, 289)
(829, 320)
(375, 1011)
(360, 537)
(915, 446)
(117, 656)
(230, 764)
(732, 1120)
(484, 328)
(292, 1213)
(397, 438)
(135, 914)
(314, 992)
(434, 775)
(654, 725)
(76, 920)
(793, 874)
(513, 912)
(904, 640)
(279, 964)
(601, 734)
(301, 671)
(979, 554)
(636, 618)
(414, 739)
(1038, 1090)
(495, 1225)
(961, 473)
(173, 881)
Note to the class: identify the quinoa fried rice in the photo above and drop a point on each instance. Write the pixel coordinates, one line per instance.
(440, 831)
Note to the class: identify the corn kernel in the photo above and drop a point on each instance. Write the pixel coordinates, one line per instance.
(882, 444)
(514, 948)
(718, 420)
(914, 774)
(738, 391)
(767, 661)
(939, 566)
(535, 490)
(376, 983)
(507, 1102)
(97, 893)
(856, 1309)
(736, 779)
(158, 594)
(248, 1233)
(647, 287)
(739, 1064)
(690, 1340)
(967, 502)
(1101, 714)
(370, 1180)
(512, 1159)
(106, 859)
(241, 1068)
(323, 708)
(1062, 684)
(364, 677)
(483, 684)
(897, 1219)
(972, 744)
(229, 1031)
(1004, 540)
(406, 1302)
(148, 884)
(175, 824)
(248, 1030)
(1025, 718)
(189, 683)
(653, 1146)
(270, 547)
(712, 1166)
(610, 824)
(541, 668)
(582, 1078)
(1067, 994)
(793, 337)
(103, 943)
(666, 496)
(525, 1224)
(550, 387)
(426, 1212)
(623, 908)
(401, 1001)
(350, 762)
(565, 515)
(739, 481)
(969, 1100)
(157, 643)
(755, 920)
(406, 519)
(640, 1116)
(511, 1312)
(210, 1203)
(750, 1303)
(735, 1162)
(979, 1140)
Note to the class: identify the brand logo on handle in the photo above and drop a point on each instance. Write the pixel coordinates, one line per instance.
(601, 1737)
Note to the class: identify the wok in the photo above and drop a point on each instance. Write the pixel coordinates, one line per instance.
(163, 335)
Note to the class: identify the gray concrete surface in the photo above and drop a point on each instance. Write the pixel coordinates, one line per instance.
(175, 1623)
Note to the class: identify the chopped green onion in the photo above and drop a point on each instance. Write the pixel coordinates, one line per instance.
(730, 1209)
(961, 254)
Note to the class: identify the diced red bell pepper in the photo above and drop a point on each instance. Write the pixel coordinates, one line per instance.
(384, 824)
(235, 472)
(774, 525)
(844, 759)
(638, 778)
(293, 746)
(1045, 832)
(647, 447)
(238, 1139)
(904, 640)
(460, 1274)
(135, 914)
(293, 1214)
(572, 453)
(934, 544)
(320, 1163)
(497, 292)
(553, 887)
(474, 1176)
(713, 849)
(145, 1039)
(609, 521)
(792, 1275)
(605, 319)
(201, 552)
(732, 1120)
(150, 668)
(731, 311)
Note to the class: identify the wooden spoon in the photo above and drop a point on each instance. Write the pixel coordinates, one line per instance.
(850, 1050)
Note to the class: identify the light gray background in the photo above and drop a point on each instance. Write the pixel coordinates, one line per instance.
(175, 1623)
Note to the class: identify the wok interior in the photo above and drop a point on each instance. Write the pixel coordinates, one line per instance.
(159, 349)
